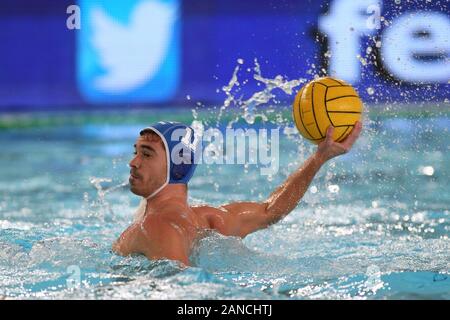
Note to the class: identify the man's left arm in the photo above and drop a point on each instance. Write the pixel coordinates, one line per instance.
(242, 218)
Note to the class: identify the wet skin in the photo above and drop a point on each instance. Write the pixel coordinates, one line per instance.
(169, 226)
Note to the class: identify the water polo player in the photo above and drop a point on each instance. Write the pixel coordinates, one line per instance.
(167, 226)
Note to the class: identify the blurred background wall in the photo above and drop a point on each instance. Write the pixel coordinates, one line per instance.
(98, 53)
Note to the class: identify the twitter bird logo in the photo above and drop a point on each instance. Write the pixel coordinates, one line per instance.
(128, 51)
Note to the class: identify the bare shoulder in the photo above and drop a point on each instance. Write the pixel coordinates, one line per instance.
(170, 214)
(214, 217)
(176, 215)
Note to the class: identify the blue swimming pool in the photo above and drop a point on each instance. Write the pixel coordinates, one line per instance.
(375, 223)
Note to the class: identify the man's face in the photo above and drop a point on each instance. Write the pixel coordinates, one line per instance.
(148, 168)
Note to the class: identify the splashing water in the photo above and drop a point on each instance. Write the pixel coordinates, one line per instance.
(101, 207)
(249, 107)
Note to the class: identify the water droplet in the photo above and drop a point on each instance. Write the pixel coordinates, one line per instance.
(398, 1)
(240, 61)
(427, 170)
(249, 118)
(333, 188)
(314, 189)
(188, 97)
(370, 91)
(378, 44)
(361, 59)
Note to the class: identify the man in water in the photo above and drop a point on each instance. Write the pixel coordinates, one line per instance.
(169, 226)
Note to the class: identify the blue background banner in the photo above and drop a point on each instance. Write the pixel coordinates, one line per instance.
(143, 52)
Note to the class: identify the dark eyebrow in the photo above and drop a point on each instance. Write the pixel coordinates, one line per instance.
(146, 147)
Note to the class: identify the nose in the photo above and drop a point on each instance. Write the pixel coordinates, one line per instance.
(135, 162)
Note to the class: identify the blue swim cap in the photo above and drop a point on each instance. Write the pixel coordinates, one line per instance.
(180, 143)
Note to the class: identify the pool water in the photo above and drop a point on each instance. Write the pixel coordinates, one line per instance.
(374, 223)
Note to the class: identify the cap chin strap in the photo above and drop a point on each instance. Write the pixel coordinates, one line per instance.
(158, 190)
(140, 212)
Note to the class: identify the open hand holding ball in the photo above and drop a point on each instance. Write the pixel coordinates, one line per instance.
(328, 148)
(327, 112)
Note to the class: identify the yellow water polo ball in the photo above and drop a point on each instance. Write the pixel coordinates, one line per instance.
(323, 102)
